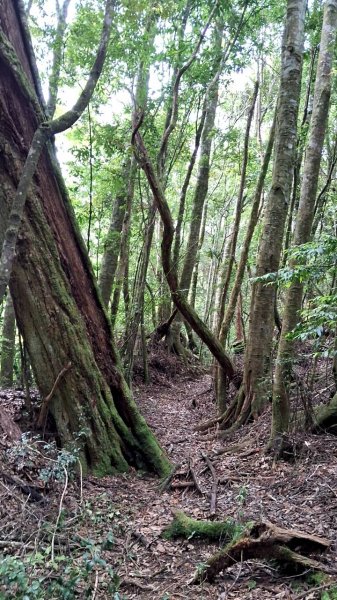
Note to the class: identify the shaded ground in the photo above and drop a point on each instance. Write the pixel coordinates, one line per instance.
(124, 516)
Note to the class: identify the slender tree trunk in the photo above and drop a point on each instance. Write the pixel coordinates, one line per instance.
(259, 342)
(62, 13)
(56, 302)
(182, 198)
(299, 158)
(305, 215)
(169, 268)
(137, 308)
(201, 189)
(8, 344)
(228, 267)
(122, 275)
(232, 302)
(220, 384)
(194, 282)
(113, 240)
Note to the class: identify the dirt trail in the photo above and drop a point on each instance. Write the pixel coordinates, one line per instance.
(301, 495)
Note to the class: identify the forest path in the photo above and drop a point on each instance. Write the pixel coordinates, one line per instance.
(301, 495)
(121, 518)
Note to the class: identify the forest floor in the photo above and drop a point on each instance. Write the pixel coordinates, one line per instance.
(124, 516)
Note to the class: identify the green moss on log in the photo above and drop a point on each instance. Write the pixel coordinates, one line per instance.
(184, 526)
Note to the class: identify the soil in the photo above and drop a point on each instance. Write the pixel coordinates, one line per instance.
(130, 511)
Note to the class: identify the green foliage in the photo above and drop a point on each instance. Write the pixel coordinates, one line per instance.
(77, 566)
(312, 264)
(35, 576)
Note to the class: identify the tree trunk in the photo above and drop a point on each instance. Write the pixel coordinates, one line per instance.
(137, 305)
(305, 215)
(230, 310)
(201, 189)
(8, 344)
(259, 342)
(56, 302)
(220, 384)
(230, 254)
(113, 239)
(122, 275)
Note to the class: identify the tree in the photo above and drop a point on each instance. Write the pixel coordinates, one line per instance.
(8, 344)
(305, 216)
(257, 367)
(58, 308)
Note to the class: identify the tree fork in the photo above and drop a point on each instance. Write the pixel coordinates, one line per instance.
(169, 268)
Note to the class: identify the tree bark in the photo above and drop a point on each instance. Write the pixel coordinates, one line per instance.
(56, 301)
(8, 344)
(113, 240)
(259, 341)
(44, 131)
(305, 215)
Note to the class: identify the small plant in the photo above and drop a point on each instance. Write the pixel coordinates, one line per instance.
(36, 576)
(251, 584)
(242, 495)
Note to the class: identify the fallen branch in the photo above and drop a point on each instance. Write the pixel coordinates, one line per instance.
(266, 541)
(182, 484)
(31, 491)
(195, 480)
(186, 527)
(167, 481)
(44, 406)
(214, 484)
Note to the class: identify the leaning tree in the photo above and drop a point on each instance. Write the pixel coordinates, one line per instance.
(58, 308)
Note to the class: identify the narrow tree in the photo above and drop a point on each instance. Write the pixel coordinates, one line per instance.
(8, 344)
(259, 343)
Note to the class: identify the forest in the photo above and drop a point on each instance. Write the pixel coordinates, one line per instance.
(168, 299)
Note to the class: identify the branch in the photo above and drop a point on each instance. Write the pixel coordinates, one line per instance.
(44, 406)
(169, 267)
(174, 112)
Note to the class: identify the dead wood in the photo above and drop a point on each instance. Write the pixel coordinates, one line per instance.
(8, 428)
(195, 480)
(45, 404)
(167, 481)
(267, 541)
(182, 484)
(214, 484)
(31, 491)
(188, 528)
(161, 331)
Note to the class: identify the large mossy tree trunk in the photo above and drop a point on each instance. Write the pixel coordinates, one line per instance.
(57, 305)
(8, 344)
(305, 216)
(257, 370)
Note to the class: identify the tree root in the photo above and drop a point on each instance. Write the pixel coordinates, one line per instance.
(266, 541)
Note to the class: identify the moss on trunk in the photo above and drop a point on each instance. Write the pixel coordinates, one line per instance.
(57, 304)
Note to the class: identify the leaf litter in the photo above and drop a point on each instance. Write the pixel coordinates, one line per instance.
(125, 515)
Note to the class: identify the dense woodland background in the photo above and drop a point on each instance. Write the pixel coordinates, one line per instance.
(191, 237)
